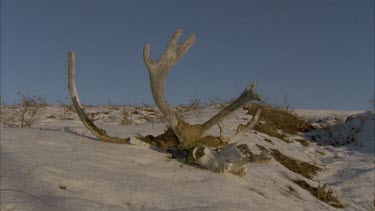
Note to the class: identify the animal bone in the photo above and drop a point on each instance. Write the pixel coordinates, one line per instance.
(232, 159)
(99, 133)
(159, 70)
(248, 95)
(158, 73)
(246, 128)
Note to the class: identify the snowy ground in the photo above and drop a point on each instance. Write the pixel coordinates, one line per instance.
(58, 165)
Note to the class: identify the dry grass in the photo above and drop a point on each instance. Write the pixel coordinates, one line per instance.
(268, 140)
(169, 140)
(305, 169)
(271, 131)
(303, 142)
(163, 141)
(68, 111)
(262, 148)
(323, 193)
(125, 117)
(276, 120)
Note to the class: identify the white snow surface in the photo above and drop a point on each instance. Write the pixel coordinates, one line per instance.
(58, 165)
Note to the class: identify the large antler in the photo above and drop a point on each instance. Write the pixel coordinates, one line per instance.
(99, 133)
(159, 70)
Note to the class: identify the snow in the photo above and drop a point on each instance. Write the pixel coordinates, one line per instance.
(58, 165)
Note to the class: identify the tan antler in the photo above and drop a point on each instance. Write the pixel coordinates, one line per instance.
(248, 95)
(99, 133)
(246, 128)
(159, 70)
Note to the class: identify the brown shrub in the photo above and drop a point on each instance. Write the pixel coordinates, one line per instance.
(303, 142)
(323, 193)
(280, 119)
(25, 112)
(305, 169)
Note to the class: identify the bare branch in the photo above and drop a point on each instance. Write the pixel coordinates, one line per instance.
(99, 133)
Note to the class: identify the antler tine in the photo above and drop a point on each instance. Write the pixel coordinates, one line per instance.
(248, 95)
(186, 45)
(247, 128)
(146, 56)
(174, 39)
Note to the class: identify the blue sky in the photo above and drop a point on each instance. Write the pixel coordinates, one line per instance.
(317, 53)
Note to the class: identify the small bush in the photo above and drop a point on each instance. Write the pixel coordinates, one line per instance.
(218, 102)
(68, 111)
(25, 112)
(125, 117)
(194, 105)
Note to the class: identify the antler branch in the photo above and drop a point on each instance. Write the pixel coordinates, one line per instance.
(159, 70)
(247, 128)
(248, 95)
(99, 133)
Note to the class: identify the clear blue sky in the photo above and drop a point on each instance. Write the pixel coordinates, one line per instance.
(318, 53)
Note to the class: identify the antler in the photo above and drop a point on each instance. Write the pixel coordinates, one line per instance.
(99, 133)
(246, 128)
(248, 95)
(158, 73)
(159, 70)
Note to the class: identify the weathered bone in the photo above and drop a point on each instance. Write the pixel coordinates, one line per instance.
(248, 95)
(159, 70)
(246, 128)
(232, 159)
(99, 133)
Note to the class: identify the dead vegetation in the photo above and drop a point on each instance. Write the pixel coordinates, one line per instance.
(274, 120)
(323, 193)
(68, 111)
(303, 142)
(169, 140)
(268, 140)
(125, 117)
(163, 141)
(305, 169)
(25, 112)
(302, 168)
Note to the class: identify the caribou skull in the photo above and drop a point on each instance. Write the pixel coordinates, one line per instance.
(218, 154)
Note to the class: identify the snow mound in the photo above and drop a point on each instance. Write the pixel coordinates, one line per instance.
(356, 133)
